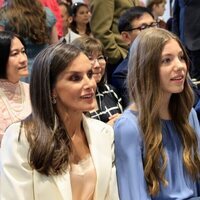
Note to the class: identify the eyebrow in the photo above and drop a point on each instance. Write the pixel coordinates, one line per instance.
(16, 49)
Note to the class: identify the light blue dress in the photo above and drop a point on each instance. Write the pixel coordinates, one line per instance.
(129, 152)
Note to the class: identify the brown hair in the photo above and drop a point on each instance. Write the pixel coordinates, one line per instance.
(50, 144)
(26, 18)
(145, 91)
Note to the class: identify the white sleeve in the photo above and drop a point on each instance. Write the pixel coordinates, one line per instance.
(16, 173)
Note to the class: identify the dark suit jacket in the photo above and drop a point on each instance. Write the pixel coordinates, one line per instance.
(186, 21)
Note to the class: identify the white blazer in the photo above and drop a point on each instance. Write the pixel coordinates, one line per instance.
(20, 182)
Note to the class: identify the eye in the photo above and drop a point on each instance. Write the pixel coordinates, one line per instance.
(75, 77)
(166, 60)
(144, 26)
(23, 51)
(14, 53)
(101, 57)
(90, 74)
(182, 58)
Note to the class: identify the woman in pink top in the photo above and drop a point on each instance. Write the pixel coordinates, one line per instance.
(14, 94)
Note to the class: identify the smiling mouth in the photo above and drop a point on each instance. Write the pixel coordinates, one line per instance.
(178, 78)
(88, 96)
(24, 67)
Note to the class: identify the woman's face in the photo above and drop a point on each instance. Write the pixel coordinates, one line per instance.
(82, 15)
(98, 65)
(159, 9)
(17, 66)
(173, 68)
(75, 87)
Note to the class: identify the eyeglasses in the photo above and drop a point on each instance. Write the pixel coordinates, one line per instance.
(101, 60)
(144, 26)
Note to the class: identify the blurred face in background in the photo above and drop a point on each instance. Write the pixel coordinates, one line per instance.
(82, 15)
(159, 9)
(17, 65)
(98, 63)
(66, 18)
(138, 24)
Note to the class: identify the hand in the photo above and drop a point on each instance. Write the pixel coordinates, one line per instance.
(113, 118)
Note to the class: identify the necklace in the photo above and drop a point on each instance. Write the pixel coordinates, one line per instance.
(14, 111)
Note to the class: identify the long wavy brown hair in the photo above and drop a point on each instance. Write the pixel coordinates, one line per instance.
(50, 144)
(145, 91)
(27, 18)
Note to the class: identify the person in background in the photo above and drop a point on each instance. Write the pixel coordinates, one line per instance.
(131, 23)
(66, 14)
(53, 6)
(57, 152)
(157, 7)
(14, 95)
(103, 23)
(108, 104)
(157, 138)
(81, 16)
(1, 3)
(33, 22)
(186, 16)
(68, 2)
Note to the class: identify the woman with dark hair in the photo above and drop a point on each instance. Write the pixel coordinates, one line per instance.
(157, 137)
(33, 22)
(81, 16)
(58, 152)
(14, 94)
(108, 104)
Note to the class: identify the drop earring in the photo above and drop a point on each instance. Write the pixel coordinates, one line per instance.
(53, 100)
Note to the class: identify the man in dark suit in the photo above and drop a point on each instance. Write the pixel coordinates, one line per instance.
(186, 19)
(131, 23)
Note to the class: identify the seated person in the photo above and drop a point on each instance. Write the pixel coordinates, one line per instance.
(131, 23)
(108, 103)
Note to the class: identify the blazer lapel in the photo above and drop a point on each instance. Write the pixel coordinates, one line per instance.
(101, 159)
(64, 186)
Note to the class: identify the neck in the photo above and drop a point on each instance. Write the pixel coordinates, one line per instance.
(72, 121)
(65, 31)
(81, 28)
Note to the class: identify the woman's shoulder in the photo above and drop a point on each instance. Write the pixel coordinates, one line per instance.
(97, 124)
(11, 134)
(97, 127)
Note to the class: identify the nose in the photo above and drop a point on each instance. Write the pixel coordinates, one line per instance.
(180, 64)
(89, 83)
(96, 63)
(23, 58)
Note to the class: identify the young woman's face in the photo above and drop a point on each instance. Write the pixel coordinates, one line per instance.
(17, 66)
(173, 68)
(82, 15)
(98, 65)
(75, 86)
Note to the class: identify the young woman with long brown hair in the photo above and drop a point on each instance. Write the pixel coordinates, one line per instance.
(157, 137)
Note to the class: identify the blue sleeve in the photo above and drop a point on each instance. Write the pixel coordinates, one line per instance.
(50, 18)
(194, 122)
(129, 162)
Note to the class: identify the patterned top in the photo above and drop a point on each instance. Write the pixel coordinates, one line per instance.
(109, 103)
(14, 103)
